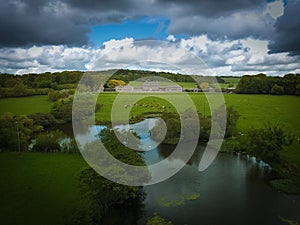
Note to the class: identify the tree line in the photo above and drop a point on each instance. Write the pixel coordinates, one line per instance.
(41, 84)
(289, 84)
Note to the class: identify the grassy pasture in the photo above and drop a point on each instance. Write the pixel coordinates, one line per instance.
(38, 188)
(255, 110)
(25, 105)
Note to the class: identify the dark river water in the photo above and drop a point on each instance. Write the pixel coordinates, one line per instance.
(233, 190)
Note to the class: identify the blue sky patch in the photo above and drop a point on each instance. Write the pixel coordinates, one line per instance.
(144, 28)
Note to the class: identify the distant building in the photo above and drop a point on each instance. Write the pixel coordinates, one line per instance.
(175, 88)
(127, 88)
(149, 86)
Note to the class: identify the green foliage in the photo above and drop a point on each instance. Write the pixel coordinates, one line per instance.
(48, 142)
(277, 90)
(157, 220)
(266, 143)
(288, 221)
(286, 185)
(55, 95)
(12, 126)
(62, 109)
(105, 193)
(261, 84)
(232, 117)
(253, 84)
(180, 200)
(43, 119)
(101, 192)
(69, 145)
(298, 89)
(20, 90)
(114, 83)
(173, 124)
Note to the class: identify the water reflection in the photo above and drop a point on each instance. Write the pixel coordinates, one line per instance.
(233, 190)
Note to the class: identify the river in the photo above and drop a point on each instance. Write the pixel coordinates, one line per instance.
(233, 190)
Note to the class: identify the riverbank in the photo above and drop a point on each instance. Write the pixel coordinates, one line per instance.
(286, 174)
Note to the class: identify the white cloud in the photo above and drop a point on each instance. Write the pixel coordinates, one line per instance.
(171, 38)
(275, 9)
(239, 57)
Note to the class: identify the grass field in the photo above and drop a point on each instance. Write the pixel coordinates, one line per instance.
(38, 188)
(35, 186)
(25, 105)
(255, 110)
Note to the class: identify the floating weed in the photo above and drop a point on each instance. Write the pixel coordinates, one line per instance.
(180, 200)
(287, 221)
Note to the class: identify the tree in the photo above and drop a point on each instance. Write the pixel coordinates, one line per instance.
(102, 193)
(20, 89)
(277, 90)
(298, 89)
(173, 124)
(43, 119)
(48, 142)
(204, 85)
(114, 83)
(267, 142)
(232, 117)
(62, 109)
(14, 129)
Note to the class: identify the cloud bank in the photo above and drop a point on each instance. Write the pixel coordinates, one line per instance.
(245, 56)
(233, 37)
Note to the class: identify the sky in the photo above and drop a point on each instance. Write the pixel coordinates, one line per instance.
(208, 37)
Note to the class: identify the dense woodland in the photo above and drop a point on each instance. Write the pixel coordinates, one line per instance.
(289, 84)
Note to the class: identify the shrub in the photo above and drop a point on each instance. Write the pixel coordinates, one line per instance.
(277, 90)
(48, 142)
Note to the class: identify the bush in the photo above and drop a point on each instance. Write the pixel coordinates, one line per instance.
(277, 90)
(48, 142)
(69, 145)
(266, 143)
(43, 119)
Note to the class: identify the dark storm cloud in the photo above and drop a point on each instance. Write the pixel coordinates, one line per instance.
(110, 5)
(212, 8)
(287, 31)
(32, 22)
(27, 22)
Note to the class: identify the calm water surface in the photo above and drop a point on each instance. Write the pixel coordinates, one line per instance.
(233, 190)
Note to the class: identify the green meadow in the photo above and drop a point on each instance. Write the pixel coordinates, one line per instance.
(254, 110)
(25, 105)
(38, 188)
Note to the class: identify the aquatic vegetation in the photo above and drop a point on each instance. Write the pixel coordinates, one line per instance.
(180, 200)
